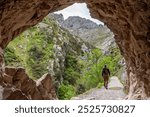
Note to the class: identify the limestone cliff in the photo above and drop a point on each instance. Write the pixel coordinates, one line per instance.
(97, 35)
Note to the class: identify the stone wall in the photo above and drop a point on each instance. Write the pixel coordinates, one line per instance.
(128, 19)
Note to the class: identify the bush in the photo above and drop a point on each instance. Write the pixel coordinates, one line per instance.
(100, 85)
(72, 68)
(65, 92)
(11, 58)
(80, 89)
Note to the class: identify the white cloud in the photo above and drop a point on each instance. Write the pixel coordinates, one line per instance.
(78, 9)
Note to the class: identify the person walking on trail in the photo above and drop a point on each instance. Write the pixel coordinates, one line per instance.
(105, 75)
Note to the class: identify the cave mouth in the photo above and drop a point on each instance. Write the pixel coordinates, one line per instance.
(73, 49)
(128, 19)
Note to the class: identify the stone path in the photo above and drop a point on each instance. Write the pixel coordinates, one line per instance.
(114, 92)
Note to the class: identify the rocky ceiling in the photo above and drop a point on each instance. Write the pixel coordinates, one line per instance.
(128, 19)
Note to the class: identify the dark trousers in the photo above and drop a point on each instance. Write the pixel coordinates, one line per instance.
(106, 79)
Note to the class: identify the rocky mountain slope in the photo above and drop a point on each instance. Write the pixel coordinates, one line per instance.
(97, 35)
(51, 44)
(73, 65)
(47, 48)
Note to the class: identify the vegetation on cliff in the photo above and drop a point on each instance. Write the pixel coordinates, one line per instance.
(47, 47)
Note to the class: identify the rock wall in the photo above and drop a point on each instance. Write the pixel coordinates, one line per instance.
(17, 85)
(128, 19)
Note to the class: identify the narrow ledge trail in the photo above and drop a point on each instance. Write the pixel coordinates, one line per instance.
(114, 92)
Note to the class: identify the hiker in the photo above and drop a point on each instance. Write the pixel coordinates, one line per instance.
(105, 74)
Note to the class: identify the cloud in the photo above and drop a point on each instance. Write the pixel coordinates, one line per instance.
(78, 9)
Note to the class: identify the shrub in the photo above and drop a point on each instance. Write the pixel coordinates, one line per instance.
(80, 89)
(72, 74)
(11, 58)
(65, 92)
(100, 85)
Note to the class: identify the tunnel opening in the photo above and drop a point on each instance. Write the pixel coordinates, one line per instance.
(72, 47)
(129, 20)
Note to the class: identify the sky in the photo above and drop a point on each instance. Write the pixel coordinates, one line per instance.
(78, 9)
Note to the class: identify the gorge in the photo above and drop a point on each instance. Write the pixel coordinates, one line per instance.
(128, 19)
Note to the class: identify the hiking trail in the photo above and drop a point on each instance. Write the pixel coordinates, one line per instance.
(114, 92)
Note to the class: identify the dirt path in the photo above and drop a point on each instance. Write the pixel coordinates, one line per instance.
(114, 92)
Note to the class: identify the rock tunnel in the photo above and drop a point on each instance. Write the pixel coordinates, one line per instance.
(128, 19)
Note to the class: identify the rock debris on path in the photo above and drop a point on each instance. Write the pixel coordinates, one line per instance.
(114, 92)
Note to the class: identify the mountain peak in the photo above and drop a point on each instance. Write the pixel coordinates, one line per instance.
(97, 35)
(76, 22)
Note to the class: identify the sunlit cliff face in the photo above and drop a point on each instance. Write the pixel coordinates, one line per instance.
(128, 19)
